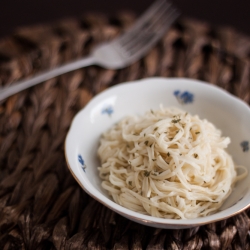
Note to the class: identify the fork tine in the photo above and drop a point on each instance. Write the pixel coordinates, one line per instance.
(154, 27)
(150, 13)
(145, 42)
(149, 26)
(160, 19)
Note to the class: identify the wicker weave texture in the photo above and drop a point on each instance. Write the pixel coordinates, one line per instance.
(41, 205)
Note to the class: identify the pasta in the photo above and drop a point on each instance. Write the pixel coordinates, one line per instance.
(168, 164)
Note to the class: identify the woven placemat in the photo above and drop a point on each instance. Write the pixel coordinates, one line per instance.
(41, 205)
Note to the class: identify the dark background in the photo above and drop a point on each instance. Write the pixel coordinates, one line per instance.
(16, 13)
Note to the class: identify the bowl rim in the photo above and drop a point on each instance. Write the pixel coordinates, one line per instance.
(150, 220)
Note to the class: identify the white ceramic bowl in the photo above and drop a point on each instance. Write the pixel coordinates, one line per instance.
(228, 113)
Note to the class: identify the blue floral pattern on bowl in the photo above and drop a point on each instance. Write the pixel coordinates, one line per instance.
(108, 110)
(245, 146)
(81, 161)
(184, 97)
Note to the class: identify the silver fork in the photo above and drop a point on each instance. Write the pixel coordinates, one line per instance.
(119, 53)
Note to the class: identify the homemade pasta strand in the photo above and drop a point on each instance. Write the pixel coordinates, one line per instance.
(168, 164)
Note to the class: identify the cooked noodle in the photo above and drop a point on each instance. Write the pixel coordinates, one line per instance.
(167, 164)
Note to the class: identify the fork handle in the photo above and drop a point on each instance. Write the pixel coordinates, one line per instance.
(22, 85)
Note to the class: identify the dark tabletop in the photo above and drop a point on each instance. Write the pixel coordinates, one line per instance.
(41, 205)
(16, 13)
